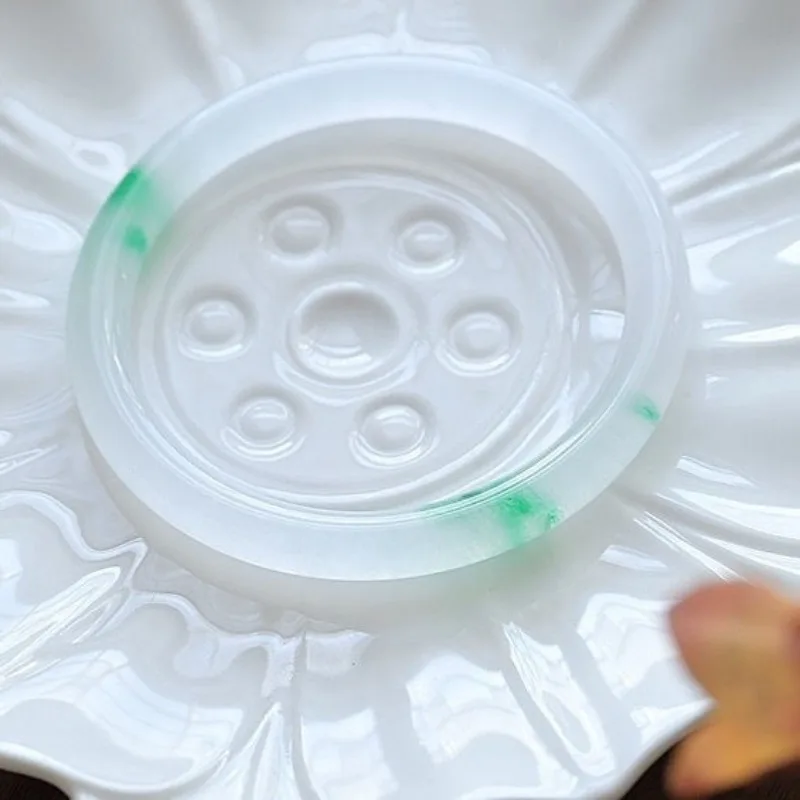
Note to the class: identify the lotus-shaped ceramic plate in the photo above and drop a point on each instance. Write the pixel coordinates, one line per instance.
(158, 653)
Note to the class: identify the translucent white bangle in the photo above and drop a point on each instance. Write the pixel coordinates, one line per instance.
(373, 320)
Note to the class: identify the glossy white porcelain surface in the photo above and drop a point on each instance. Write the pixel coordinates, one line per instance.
(545, 673)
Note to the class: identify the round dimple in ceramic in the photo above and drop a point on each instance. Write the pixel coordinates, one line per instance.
(216, 326)
(344, 331)
(265, 424)
(297, 229)
(365, 355)
(483, 337)
(392, 431)
(429, 241)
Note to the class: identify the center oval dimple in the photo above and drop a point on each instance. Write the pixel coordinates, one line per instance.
(345, 332)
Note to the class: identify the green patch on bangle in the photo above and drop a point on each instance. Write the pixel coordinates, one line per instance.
(525, 515)
(646, 409)
(137, 198)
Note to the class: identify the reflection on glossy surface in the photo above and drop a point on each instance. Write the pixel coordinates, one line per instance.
(119, 671)
(345, 759)
(547, 676)
(467, 719)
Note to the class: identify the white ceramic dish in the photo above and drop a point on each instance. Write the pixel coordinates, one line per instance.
(534, 671)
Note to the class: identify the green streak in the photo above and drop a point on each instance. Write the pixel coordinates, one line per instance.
(645, 408)
(525, 514)
(138, 199)
(136, 240)
(134, 182)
